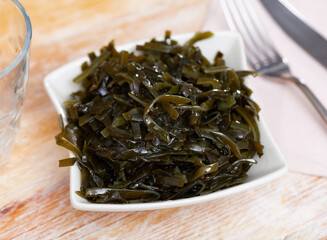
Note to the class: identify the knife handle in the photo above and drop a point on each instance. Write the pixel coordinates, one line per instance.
(313, 99)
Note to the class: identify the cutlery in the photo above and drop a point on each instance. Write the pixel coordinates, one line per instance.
(299, 30)
(262, 56)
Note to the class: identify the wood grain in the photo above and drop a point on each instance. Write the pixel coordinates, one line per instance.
(281, 209)
(34, 202)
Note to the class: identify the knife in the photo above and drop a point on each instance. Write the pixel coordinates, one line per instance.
(296, 27)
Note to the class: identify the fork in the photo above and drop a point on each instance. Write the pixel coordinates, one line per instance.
(262, 56)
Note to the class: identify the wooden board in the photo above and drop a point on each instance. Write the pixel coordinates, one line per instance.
(34, 192)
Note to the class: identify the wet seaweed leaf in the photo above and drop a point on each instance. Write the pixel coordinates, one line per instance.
(161, 124)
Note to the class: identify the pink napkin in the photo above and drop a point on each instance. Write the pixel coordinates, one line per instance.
(297, 128)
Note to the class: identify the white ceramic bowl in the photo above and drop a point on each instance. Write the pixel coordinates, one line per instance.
(271, 165)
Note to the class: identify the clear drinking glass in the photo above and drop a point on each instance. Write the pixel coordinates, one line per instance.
(15, 40)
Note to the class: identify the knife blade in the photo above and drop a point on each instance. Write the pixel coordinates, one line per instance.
(298, 29)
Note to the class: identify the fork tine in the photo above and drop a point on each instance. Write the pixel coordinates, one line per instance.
(229, 11)
(248, 23)
(256, 22)
(253, 30)
(228, 15)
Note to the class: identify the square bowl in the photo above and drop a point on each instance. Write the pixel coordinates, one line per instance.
(271, 165)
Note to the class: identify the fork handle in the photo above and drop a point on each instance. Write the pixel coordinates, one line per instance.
(314, 100)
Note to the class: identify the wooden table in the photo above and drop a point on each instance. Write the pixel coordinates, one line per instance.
(34, 192)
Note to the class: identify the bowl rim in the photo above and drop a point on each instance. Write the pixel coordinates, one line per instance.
(23, 52)
(76, 200)
(183, 202)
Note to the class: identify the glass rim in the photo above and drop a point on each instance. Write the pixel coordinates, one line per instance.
(27, 41)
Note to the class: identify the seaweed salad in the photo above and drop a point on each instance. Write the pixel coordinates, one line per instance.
(160, 123)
